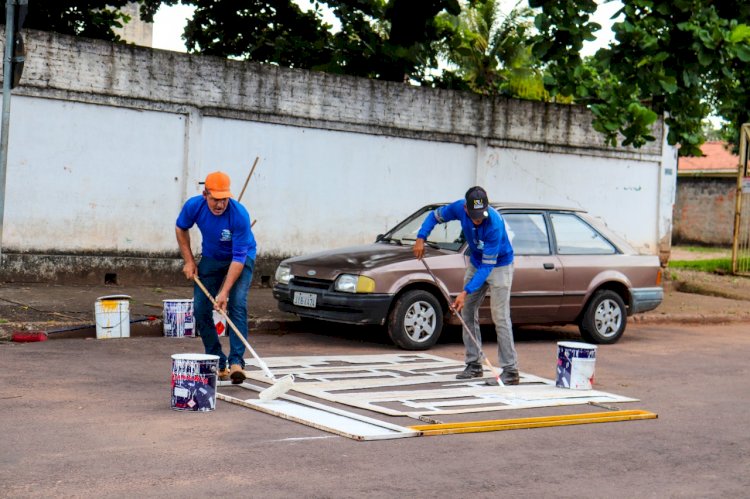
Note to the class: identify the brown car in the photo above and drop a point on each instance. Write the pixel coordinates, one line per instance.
(569, 269)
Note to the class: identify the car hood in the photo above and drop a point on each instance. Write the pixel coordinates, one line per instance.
(354, 259)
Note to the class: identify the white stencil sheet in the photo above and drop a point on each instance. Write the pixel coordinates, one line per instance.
(416, 384)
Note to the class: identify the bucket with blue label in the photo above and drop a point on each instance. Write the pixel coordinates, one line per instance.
(575, 365)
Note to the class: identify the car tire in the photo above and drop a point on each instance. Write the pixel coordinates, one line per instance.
(416, 320)
(605, 318)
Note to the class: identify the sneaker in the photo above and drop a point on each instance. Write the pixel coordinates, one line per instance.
(471, 371)
(237, 373)
(223, 374)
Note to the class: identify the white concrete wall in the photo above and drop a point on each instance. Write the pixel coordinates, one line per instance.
(85, 177)
(107, 141)
(316, 189)
(624, 194)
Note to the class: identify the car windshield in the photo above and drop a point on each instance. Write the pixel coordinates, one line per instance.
(444, 236)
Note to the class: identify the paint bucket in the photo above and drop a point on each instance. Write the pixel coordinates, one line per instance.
(112, 316)
(194, 382)
(178, 318)
(575, 365)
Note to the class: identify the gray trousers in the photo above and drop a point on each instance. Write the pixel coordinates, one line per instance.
(498, 283)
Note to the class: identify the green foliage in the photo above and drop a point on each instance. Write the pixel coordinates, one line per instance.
(89, 18)
(490, 53)
(683, 59)
(389, 40)
(715, 265)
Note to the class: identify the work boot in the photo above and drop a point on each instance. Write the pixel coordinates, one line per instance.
(471, 371)
(237, 373)
(507, 377)
(223, 374)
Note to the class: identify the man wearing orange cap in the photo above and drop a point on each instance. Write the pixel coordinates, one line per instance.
(225, 268)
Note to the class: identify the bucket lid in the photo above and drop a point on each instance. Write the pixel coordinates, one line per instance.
(114, 297)
(178, 300)
(194, 356)
(576, 344)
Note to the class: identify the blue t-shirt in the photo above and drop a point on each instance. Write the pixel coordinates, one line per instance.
(225, 237)
(488, 242)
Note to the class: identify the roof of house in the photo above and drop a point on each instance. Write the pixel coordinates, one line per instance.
(716, 159)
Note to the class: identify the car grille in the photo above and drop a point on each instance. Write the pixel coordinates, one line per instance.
(306, 282)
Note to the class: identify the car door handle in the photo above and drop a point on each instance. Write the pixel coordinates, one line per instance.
(549, 266)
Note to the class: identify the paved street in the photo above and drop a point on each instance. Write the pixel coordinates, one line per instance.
(87, 417)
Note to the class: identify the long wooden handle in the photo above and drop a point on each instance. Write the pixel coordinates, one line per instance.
(248, 178)
(463, 323)
(261, 363)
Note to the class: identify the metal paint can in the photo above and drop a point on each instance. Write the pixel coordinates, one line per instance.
(575, 365)
(194, 382)
(178, 318)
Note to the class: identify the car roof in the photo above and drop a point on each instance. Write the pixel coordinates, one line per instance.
(506, 205)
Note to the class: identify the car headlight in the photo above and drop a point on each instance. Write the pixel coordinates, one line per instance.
(283, 274)
(349, 283)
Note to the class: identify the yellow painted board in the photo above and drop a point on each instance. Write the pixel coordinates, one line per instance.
(536, 422)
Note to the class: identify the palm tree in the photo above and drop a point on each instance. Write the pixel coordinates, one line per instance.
(490, 51)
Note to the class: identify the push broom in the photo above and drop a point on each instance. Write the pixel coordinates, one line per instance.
(494, 371)
(280, 385)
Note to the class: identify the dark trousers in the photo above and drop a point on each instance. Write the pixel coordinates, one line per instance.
(212, 273)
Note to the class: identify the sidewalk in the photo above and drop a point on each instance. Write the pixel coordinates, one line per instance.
(47, 307)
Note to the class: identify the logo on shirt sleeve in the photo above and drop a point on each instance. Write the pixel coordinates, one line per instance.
(226, 235)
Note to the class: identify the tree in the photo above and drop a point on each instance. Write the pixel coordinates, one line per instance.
(681, 58)
(389, 40)
(490, 53)
(89, 18)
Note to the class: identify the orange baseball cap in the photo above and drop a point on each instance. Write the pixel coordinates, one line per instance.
(217, 184)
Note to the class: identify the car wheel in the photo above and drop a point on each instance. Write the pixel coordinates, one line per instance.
(416, 320)
(605, 318)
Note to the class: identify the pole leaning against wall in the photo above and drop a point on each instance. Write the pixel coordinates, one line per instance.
(12, 67)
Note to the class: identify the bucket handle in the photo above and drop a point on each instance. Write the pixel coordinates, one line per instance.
(122, 319)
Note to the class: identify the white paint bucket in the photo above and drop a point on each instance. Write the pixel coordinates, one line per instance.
(178, 318)
(112, 316)
(194, 381)
(575, 365)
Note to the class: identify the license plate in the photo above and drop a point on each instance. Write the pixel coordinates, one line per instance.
(305, 299)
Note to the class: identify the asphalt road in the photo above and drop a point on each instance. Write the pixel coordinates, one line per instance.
(91, 418)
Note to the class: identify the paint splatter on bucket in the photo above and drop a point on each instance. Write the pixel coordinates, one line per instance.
(194, 382)
(112, 316)
(178, 318)
(575, 365)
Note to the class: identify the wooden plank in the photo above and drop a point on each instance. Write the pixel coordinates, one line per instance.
(330, 419)
(536, 422)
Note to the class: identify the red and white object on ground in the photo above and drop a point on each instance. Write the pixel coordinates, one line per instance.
(28, 336)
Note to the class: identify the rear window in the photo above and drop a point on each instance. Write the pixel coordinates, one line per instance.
(576, 237)
(527, 233)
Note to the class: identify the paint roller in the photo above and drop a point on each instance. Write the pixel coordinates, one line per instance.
(280, 385)
(495, 373)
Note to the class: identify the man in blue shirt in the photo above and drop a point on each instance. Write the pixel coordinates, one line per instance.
(225, 268)
(490, 268)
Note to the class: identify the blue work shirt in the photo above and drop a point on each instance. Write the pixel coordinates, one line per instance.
(489, 246)
(225, 237)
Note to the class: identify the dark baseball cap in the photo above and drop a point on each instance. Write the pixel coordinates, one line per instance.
(477, 203)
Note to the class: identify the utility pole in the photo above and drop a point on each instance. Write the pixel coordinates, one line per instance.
(13, 22)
